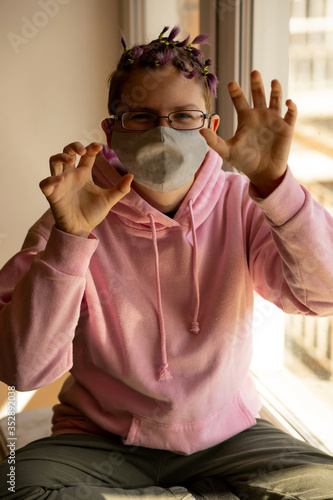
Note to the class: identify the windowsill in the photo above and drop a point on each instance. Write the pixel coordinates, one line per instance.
(303, 404)
(294, 397)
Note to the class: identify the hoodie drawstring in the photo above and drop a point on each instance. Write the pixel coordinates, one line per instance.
(195, 327)
(164, 372)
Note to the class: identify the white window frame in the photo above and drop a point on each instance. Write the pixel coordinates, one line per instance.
(131, 20)
(245, 35)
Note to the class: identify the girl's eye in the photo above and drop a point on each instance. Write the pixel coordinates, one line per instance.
(182, 116)
(141, 117)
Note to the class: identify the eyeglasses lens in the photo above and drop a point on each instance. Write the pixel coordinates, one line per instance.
(179, 120)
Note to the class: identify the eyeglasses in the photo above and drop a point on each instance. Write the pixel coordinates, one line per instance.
(185, 119)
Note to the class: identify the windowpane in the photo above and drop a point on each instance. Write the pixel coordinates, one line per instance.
(184, 13)
(189, 14)
(301, 376)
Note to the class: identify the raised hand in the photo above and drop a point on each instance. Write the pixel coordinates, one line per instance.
(77, 203)
(261, 144)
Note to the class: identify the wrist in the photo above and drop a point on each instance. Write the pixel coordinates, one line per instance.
(79, 233)
(266, 186)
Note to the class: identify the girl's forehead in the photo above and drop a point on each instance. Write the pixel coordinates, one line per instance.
(166, 85)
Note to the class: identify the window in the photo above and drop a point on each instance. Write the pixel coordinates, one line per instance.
(309, 350)
(143, 20)
(294, 363)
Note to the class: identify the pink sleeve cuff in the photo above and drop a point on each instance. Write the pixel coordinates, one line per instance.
(284, 202)
(68, 253)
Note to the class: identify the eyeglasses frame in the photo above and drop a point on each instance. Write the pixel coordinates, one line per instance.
(206, 116)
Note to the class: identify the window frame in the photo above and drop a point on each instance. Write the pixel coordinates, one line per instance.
(247, 35)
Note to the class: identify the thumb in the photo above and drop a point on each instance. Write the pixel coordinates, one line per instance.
(215, 142)
(123, 187)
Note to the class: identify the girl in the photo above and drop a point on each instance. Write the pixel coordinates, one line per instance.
(139, 281)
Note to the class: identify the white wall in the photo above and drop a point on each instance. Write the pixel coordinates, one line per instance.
(56, 56)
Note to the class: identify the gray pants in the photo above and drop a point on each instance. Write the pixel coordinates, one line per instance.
(261, 463)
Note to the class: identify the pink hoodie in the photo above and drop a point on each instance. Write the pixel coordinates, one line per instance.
(153, 315)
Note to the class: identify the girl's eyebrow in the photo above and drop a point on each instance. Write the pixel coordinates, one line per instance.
(187, 106)
(152, 110)
(140, 108)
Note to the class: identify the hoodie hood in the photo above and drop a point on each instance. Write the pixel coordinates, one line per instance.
(134, 210)
(136, 213)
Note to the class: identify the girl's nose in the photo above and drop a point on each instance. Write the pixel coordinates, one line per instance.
(163, 121)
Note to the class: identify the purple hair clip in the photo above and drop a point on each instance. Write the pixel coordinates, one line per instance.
(133, 53)
(211, 78)
(162, 32)
(123, 42)
(162, 58)
(196, 52)
(191, 74)
(183, 43)
(173, 33)
(212, 83)
(198, 40)
(136, 52)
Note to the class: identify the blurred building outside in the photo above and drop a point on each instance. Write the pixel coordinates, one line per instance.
(301, 373)
(311, 87)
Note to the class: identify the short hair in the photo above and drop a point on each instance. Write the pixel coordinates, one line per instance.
(158, 53)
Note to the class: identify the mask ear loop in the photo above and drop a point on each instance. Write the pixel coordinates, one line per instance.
(109, 126)
(210, 119)
(108, 129)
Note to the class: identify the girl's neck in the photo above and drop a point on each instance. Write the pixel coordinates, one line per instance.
(164, 202)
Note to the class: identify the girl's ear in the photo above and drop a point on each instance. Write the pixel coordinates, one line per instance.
(215, 122)
(107, 126)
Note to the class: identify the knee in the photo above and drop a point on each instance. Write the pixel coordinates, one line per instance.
(213, 487)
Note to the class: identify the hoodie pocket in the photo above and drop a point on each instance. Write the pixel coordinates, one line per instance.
(189, 437)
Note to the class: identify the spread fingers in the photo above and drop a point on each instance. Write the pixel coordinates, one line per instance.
(59, 162)
(275, 102)
(258, 91)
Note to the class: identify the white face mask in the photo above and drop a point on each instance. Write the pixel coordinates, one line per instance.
(161, 159)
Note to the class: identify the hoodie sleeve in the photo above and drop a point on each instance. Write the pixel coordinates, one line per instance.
(291, 253)
(41, 290)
